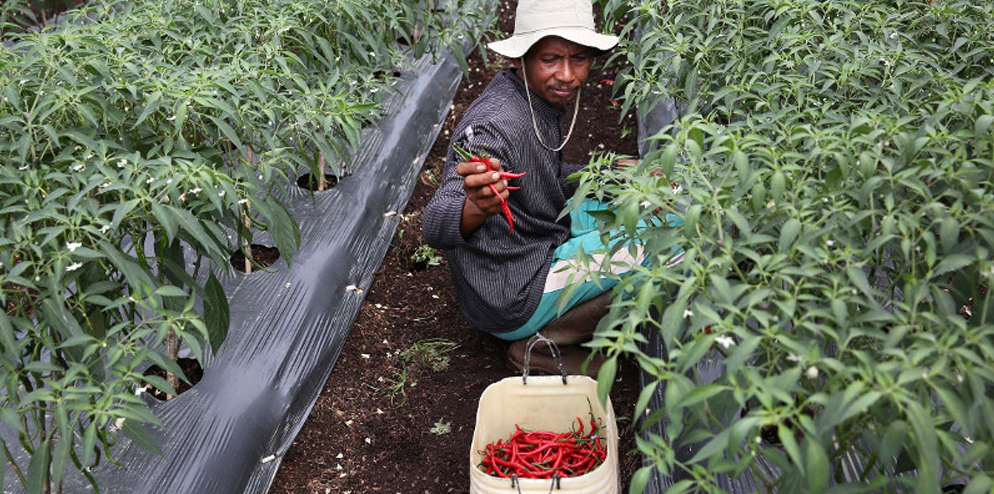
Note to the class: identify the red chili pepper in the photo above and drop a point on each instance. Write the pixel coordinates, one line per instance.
(542, 454)
(503, 174)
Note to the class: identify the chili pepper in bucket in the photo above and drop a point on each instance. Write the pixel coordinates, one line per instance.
(471, 158)
(544, 454)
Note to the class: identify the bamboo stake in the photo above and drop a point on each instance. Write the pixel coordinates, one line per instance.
(247, 221)
(322, 183)
(172, 351)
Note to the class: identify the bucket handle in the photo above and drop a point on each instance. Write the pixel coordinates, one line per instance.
(555, 484)
(538, 338)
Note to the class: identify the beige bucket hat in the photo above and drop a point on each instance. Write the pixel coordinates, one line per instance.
(569, 19)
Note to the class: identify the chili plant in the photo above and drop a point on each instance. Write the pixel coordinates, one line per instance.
(141, 136)
(833, 168)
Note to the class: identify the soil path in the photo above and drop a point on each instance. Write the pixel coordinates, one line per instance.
(389, 423)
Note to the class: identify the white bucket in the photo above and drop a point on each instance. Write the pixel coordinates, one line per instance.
(544, 403)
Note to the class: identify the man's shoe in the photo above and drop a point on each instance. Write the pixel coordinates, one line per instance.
(543, 363)
(578, 324)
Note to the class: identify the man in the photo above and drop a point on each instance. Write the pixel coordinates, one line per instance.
(510, 266)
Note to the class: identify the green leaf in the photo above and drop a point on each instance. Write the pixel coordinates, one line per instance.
(788, 234)
(138, 433)
(217, 314)
(171, 291)
(716, 446)
(61, 457)
(668, 160)
(640, 480)
(89, 444)
(928, 463)
(741, 353)
(38, 468)
(151, 104)
(789, 442)
(952, 263)
(605, 378)
(816, 466)
(699, 394)
(166, 364)
(160, 384)
(982, 126)
(981, 484)
(228, 132)
(949, 231)
(673, 322)
(648, 391)
(165, 220)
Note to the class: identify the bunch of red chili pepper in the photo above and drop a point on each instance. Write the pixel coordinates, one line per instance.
(542, 454)
(471, 158)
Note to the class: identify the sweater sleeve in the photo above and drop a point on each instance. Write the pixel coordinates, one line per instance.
(569, 186)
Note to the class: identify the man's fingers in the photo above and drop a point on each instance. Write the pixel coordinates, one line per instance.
(483, 180)
(469, 168)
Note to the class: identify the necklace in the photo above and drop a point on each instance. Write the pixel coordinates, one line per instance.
(576, 110)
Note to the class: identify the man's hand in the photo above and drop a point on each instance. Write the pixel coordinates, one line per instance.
(481, 202)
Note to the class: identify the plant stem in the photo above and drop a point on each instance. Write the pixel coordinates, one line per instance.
(13, 466)
(247, 221)
(172, 351)
(322, 183)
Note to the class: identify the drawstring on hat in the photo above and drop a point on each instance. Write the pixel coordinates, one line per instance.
(576, 110)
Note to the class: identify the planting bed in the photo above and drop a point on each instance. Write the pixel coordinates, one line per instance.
(389, 423)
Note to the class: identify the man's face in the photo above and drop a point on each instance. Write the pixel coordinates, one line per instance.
(555, 68)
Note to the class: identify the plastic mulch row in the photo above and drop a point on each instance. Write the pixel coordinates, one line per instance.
(229, 432)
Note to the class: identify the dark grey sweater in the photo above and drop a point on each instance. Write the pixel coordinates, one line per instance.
(499, 277)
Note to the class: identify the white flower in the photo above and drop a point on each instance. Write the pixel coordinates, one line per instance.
(830, 242)
(196, 190)
(221, 193)
(645, 204)
(688, 313)
(104, 229)
(812, 372)
(150, 180)
(893, 35)
(243, 201)
(120, 164)
(169, 181)
(171, 118)
(372, 54)
(72, 246)
(25, 167)
(74, 266)
(78, 167)
(375, 89)
(795, 358)
(725, 341)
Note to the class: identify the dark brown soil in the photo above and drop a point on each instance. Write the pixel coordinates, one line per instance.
(263, 256)
(191, 370)
(390, 423)
(307, 181)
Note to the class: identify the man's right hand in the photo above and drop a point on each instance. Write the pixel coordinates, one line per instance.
(481, 202)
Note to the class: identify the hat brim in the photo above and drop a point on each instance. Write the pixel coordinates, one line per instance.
(517, 45)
